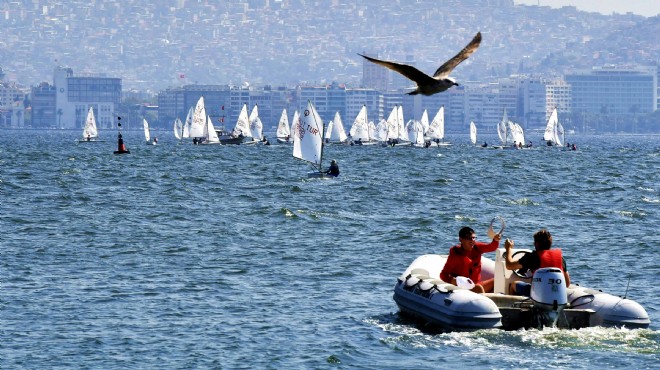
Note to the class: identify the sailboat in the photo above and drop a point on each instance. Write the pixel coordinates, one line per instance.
(90, 133)
(210, 135)
(415, 131)
(242, 127)
(178, 129)
(553, 130)
(360, 129)
(335, 132)
(283, 131)
(198, 121)
(389, 135)
(401, 127)
(256, 126)
(473, 133)
(437, 128)
(308, 140)
(503, 132)
(147, 134)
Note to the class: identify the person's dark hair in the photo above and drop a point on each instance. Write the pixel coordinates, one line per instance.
(543, 239)
(465, 232)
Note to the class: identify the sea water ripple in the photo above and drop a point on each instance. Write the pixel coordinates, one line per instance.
(181, 256)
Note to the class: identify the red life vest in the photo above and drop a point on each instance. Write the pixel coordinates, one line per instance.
(460, 263)
(551, 258)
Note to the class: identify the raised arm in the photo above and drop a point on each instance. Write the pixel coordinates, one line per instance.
(510, 263)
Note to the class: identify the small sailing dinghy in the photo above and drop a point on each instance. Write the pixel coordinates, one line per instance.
(147, 134)
(121, 147)
(308, 140)
(473, 133)
(90, 132)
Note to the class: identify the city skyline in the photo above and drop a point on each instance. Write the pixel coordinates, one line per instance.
(641, 7)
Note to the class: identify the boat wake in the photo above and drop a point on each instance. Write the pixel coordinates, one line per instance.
(405, 332)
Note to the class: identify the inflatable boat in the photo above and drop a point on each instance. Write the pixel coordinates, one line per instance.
(421, 293)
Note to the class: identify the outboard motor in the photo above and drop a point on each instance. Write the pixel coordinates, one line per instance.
(549, 295)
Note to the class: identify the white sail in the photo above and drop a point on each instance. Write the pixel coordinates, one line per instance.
(360, 128)
(256, 126)
(517, 133)
(308, 137)
(560, 134)
(186, 125)
(296, 117)
(415, 131)
(211, 134)
(392, 125)
(335, 132)
(381, 131)
(502, 129)
(401, 125)
(178, 129)
(242, 123)
(372, 129)
(473, 132)
(328, 131)
(437, 126)
(90, 131)
(283, 130)
(550, 133)
(198, 124)
(145, 125)
(425, 121)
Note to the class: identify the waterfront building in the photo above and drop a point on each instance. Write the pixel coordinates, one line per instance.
(75, 95)
(534, 105)
(614, 92)
(12, 110)
(44, 113)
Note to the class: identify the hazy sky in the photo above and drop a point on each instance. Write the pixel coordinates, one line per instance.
(648, 8)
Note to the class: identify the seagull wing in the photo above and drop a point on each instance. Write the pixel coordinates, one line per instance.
(410, 72)
(449, 65)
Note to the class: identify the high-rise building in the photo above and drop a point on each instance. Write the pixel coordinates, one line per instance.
(374, 76)
(614, 91)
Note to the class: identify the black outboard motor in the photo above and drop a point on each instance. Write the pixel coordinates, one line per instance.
(549, 296)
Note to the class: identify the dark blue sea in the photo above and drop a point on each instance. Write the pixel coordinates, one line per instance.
(226, 257)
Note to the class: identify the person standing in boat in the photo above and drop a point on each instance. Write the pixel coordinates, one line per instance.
(334, 169)
(542, 256)
(464, 260)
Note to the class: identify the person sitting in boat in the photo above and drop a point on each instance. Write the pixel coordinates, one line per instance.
(155, 140)
(334, 169)
(485, 145)
(89, 138)
(573, 147)
(359, 141)
(542, 256)
(529, 145)
(464, 260)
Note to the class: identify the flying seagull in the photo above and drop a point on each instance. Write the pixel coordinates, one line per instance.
(440, 81)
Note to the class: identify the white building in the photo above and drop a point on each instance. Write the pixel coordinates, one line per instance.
(75, 95)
